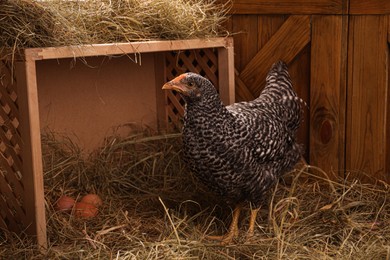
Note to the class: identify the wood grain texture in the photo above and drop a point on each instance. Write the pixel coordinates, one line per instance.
(243, 93)
(388, 29)
(161, 100)
(288, 7)
(387, 111)
(33, 196)
(284, 45)
(299, 70)
(268, 25)
(327, 93)
(368, 57)
(369, 7)
(226, 73)
(246, 29)
(122, 48)
(253, 32)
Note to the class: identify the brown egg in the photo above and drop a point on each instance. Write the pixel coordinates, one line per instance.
(85, 210)
(92, 199)
(65, 203)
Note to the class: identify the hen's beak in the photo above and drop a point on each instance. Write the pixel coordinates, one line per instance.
(177, 84)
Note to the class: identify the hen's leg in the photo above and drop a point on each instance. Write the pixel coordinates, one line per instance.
(252, 221)
(233, 229)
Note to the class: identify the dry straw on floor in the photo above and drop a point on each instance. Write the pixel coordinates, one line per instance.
(154, 209)
(47, 23)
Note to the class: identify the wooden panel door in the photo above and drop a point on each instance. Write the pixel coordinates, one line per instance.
(367, 146)
(338, 57)
(313, 47)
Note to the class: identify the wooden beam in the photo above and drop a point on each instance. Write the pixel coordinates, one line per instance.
(32, 175)
(327, 92)
(288, 7)
(123, 48)
(368, 68)
(226, 73)
(284, 45)
(242, 90)
(369, 7)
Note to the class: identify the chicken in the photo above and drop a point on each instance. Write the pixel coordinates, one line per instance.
(239, 151)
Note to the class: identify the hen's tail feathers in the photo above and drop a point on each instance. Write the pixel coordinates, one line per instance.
(279, 89)
(278, 80)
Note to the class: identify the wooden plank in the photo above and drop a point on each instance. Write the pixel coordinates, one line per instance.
(226, 73)
(245, 38)
(299, 70)
(245, 29)
(284, 45)
(327, 93)
(268, 25)
(388, 29)
(242, 91)
(288, 7)
(122, 48)
(161, 78)
(369, 7)
(387, 124)
(367, 95)
(32, 175)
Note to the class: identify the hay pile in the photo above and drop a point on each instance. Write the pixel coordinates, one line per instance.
(47, 23)
(154, 209)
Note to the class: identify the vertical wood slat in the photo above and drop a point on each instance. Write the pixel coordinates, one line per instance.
(245, 42)
(226, 72)
(300, 78)
(387, 126)
(327, 92)
(31, 151)
(368, 58)
(161, 99)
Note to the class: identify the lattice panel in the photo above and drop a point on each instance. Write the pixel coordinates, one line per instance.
(12, 213)
(201, 61)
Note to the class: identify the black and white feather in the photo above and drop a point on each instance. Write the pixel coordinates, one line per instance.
(239, 151)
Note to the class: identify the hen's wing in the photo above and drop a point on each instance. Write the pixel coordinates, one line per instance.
(267, 125)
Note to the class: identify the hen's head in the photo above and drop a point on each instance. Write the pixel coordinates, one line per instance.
(192, 87)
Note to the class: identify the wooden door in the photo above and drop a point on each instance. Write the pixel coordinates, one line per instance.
(337, 51)
(368, 120)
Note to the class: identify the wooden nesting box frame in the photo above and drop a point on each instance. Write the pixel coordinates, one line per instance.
(22, 202)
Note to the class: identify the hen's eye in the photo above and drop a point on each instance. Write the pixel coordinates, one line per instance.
(191, 84)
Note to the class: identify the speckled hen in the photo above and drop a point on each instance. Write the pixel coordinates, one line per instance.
(239, 151)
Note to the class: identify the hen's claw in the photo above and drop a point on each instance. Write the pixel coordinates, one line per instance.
(233, 230)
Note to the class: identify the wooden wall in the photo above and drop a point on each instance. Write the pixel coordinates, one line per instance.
(338, 55)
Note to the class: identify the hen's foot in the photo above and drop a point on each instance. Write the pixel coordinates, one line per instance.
(233, 230)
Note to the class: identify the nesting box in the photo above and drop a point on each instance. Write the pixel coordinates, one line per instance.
(85, 91)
